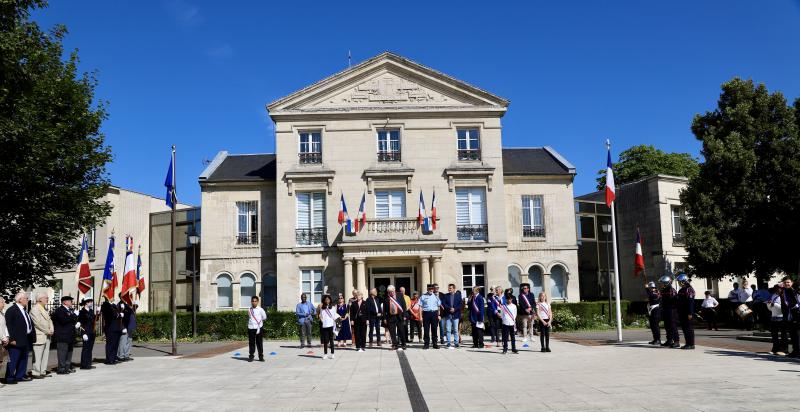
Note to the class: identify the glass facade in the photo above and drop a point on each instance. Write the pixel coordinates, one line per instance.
(187, 257)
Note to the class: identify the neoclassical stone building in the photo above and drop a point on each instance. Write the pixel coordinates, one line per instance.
(388, 130)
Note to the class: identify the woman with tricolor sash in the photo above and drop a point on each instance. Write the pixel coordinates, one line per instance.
(544, 316)
(327, 319)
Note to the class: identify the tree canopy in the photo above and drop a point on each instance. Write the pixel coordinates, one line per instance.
(743, 206)
(641, 161)
(53, 157)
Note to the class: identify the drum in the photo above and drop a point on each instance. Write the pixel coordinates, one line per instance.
(743, 311)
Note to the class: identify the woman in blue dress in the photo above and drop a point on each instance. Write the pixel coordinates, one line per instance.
(344, 323)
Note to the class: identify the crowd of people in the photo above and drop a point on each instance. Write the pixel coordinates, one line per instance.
(433, 319)
(28, 333)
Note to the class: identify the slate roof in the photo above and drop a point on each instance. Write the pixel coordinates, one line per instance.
(535, 161)
(248, 167)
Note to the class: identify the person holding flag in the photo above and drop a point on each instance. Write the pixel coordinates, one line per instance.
(112, 318)
(130, 283)
(83, 273)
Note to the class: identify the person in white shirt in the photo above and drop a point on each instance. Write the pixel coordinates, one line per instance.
(709, 310)
(545, 318)
(327, 319)
(777, 327)
(509, 318)
(746, 297)
(255, 329)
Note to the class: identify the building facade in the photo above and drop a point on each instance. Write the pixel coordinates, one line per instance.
(130, 215)
(385, 136)
(653, 205)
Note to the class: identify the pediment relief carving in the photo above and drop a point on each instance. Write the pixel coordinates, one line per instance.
(388, 89)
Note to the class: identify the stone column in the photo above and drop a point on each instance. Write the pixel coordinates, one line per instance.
(437, 271)
(361, 276)
(426, 272)
(348, 278)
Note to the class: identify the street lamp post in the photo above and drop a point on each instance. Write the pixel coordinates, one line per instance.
(607, 230)
(194, 240)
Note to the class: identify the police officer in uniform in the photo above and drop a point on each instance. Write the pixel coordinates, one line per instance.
(654, 312)
(686, 309)
(669, 311)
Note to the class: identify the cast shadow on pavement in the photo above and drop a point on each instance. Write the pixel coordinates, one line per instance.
(753, 355)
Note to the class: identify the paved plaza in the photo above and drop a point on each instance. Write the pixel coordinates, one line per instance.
(631, 376)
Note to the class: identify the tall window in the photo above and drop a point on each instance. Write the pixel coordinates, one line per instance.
(678, 215)
(311, 284)
(513, 276)
(532, 216)
(471, 213)
(586, 229)
(390, 204)
(310, 229)
(469, 144)
(310, 150)
(247, 289)
(558, 282)
(473, 274)
(247, 223)
(536, 279)
(224, 291)
(388, 145)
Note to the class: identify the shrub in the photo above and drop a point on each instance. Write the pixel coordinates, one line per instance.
(225, 325)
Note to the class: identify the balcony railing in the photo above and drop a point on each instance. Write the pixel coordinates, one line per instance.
(317, 236)
(247, 239)
(535, 232)
(391, 229)
(472, 232)
(389, 156)
(678, 239)
(469, 154)
(310, 158)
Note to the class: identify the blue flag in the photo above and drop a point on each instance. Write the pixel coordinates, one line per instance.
(110, 272)
(171, 199)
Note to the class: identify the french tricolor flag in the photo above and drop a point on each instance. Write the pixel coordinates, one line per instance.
(421, 215)
(610, 193)
(433, 210)
(343, 211)
(83, 272)
(130, 283)
(638, 261)
(361, 217)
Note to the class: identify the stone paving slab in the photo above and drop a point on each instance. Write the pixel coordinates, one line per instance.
(573, 377)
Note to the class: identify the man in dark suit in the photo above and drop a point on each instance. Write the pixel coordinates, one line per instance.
(124, 344)
(395, 308)
(87, 320)
(112, 328)
(65, 321)
(21, 335)
(375, 311)
(452, 305)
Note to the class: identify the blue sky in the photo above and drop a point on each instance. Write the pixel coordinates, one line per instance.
(198, 74)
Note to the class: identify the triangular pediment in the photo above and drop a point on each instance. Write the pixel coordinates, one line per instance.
(387, 82)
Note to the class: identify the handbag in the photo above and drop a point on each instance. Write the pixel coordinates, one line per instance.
(479, 325)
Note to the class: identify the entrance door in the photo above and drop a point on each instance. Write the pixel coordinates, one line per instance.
(382, 277)
(381, 283)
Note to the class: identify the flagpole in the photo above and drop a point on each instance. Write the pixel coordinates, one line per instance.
(173, 262)
(616, 262)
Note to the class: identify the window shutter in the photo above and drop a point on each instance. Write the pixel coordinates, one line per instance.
(381, 204)
(462, 206)
(318, 203)
(398, 204)
(303, 211)
(478, 206)
(526, 212)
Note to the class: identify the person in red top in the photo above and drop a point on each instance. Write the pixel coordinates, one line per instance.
(415, 312)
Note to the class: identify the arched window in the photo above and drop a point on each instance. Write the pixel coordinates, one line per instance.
(224, 291)
(514, 276)
(247, 287)
(558, 282)
(536, 279)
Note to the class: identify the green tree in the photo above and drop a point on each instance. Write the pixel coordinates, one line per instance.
(744, 203)
(641, 161)
(52, 162)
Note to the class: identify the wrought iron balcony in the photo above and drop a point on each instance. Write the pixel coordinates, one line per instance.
(390, 156)
(247, 239)
(310, 158)
(537, 232)
(472, 232)
(391, 229)
(317, 236)
(469, 154)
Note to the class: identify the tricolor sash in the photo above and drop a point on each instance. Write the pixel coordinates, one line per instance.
(526, 300)
(397, 306)
(544, 309)
(258, 322)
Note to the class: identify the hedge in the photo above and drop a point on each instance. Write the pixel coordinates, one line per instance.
(232, 325)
